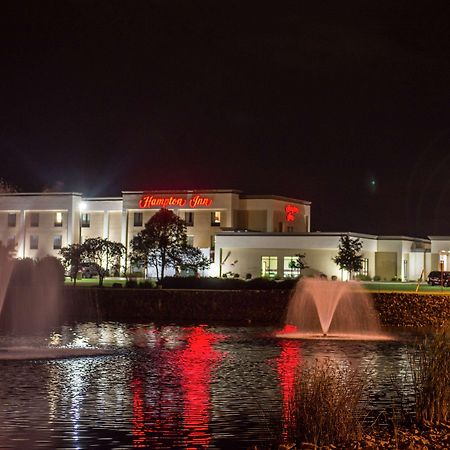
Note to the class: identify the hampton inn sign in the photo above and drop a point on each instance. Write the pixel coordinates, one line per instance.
(152, 201)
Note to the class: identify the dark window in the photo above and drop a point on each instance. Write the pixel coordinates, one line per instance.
(12, 220)
(57, 242)
(189, 219)
(290, 229)
(85, 220)
(138, 218)
(34, 220)
(280, 227)
(34, 242)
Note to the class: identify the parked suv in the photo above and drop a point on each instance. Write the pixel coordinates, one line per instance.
(434, 278)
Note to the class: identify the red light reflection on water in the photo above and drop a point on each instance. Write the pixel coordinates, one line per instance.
(197, 361)
(189, 370)
(287, 364)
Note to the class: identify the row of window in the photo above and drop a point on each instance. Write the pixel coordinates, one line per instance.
(138, 219)
(86, 219)
(34, 242)
(269, 266)
(34, 219)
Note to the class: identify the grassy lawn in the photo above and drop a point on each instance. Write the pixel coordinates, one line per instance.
(371, 286)
(107, 282)
(404, 287)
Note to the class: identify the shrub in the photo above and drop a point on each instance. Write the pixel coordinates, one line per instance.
(431, 378)
(363, 278)
(377, 278)
(131, 284)
(147, 284)
(328, 403)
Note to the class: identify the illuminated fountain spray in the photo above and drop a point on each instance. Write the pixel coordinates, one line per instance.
(320, 308)
(30, 299)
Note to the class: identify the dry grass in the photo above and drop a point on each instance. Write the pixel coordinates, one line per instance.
(431, 375)
(328, 403)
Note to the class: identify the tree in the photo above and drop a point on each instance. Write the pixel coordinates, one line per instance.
(348, 257)
(103, 255)
(72, 257)
(191, 258)
(163, 243)
(6, 188)
(299, 262)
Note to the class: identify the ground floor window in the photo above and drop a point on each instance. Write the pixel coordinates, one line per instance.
(365, 267)
(269, 266)
(289, 269)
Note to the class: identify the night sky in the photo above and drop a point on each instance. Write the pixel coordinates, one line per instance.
(345, 104)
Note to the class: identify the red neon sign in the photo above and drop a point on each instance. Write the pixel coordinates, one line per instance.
(291, 211)
(151, 201)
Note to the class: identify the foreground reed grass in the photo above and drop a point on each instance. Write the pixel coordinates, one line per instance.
(328, 403)
(431, 377)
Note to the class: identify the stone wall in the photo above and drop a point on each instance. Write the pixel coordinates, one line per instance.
(263, 307)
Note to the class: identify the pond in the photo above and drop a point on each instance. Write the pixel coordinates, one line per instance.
(173, 386)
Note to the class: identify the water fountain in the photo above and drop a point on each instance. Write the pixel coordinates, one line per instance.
(324, 309)
(30, 300)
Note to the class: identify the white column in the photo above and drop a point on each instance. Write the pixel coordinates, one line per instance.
(21, 235)
(105, 224)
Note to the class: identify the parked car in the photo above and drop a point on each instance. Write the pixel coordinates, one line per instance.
(88, 270)
(434, 278)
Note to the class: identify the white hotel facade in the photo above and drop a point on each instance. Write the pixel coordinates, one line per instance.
(243, 234)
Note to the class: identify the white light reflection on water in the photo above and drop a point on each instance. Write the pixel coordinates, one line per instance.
(170, 387)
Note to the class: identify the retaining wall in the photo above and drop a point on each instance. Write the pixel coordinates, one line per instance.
(264, 307)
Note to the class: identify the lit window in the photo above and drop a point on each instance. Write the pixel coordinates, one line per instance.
(57, 242)
(189, 219)
(269, 266)
(12, 220)
(289, 269)
(34, 242)
(215, 218)
(138, 219)
(58, 219)
(365, 267)
(85, 220)
(34, 220)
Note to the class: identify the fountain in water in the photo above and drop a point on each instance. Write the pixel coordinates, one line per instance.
(325, 309)
(30, 299)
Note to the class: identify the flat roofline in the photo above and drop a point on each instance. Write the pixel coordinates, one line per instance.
(321, 234)
(102, 199)
(184, 191)
(274, 197)
(38, 194)
(439, 238)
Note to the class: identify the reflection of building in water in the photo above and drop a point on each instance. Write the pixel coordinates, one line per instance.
(173, 407)
(287, 367)
(242, 234)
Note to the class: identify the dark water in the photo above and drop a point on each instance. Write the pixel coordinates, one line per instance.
(173, 386)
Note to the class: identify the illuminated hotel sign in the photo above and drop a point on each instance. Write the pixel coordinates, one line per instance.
(291, 211)
(152, 201)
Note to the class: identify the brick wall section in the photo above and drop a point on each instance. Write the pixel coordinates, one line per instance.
(262, 307)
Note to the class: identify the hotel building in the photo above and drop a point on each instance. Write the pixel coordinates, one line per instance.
(242, 234)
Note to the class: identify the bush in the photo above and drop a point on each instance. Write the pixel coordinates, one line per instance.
(147, 284)
(328, 403)
(131, 284)
(226, 283)
(377, 278)
(363, 278)
(431, 377)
